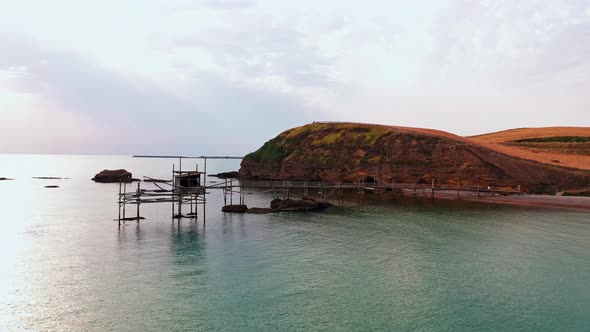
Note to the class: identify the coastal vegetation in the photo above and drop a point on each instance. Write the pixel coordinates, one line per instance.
(552, 139)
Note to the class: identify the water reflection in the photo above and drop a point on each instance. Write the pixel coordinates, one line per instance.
(188, 243)
(227, 224)
(130, 231)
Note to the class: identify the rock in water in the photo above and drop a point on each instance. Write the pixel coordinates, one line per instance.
(293, 205)
(227, 175)
(110, 176)
(256, 210)
(321, 202)
(236, 208)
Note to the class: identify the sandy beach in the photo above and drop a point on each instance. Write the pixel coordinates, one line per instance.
(563, 202)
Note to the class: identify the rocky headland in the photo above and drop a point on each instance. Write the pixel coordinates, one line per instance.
(352, 152)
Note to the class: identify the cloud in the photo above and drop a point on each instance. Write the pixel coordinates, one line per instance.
(511, 43)
(135, 114)
(179, 73)
(252, 48)
(225, 4)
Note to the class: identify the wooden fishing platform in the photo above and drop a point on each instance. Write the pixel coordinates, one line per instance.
(189, 188)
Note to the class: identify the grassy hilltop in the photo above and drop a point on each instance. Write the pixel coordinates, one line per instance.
(352, 152)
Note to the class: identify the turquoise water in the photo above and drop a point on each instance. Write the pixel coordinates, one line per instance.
(412, 265)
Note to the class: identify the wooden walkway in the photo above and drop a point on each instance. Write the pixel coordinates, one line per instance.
(348, 185)
(178, 194)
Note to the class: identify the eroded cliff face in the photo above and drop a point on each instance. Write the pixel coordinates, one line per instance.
(353, 152)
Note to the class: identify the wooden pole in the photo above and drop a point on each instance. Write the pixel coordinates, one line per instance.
(225, 193)
(138, 200)
(120, 203)
(180, 190)
(173, 189)
(205, 175)
(124, 199)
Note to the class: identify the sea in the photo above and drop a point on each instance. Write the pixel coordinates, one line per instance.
(403, 265)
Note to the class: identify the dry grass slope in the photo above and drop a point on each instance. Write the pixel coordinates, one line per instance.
(576, 155)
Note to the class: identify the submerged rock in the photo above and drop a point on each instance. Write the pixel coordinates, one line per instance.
(236, 208)
(257, 210)
(110, 176)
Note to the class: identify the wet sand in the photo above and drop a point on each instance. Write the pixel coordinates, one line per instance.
(565, 202)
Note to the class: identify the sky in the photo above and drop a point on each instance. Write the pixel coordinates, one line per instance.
(221, 77)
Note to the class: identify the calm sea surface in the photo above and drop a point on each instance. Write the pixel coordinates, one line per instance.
(415, 265)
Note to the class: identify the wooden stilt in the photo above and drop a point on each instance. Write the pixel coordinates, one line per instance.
(120, 188)
(124, 199)
(231, 197)
(138, 200)
(173, 189)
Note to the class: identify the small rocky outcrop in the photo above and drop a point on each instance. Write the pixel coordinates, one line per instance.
(281, 205)
(111, 176)
(304, 204)
(227, 175)
(236, 208)
(321, 202)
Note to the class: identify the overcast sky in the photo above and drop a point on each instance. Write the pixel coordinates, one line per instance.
(224, 76)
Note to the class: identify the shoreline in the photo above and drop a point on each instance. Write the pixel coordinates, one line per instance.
(544, 201)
